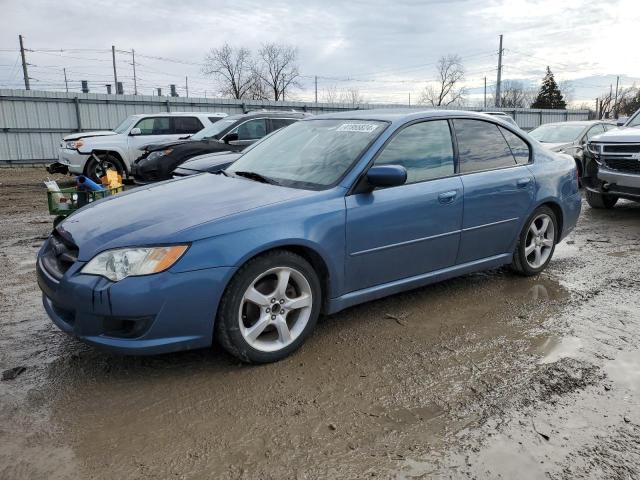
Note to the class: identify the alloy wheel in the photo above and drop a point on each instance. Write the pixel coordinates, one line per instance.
(540, 240)
(275, 309)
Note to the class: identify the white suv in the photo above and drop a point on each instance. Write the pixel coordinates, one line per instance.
(89, 153)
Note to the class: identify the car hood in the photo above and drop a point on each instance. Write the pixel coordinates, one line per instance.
(152, 147)
(167, 212)
(620, 135)
(556, 146)
(97, 133)
(204, 163)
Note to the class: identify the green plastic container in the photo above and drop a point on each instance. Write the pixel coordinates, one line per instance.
(74, 199)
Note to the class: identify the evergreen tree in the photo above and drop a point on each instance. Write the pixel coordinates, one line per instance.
(549, 95)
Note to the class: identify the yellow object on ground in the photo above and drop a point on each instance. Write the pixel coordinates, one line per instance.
(112, 179)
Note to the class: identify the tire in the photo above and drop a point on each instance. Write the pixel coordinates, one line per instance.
(269, 325)
(94, 169)
(534, 251)
(599, 200)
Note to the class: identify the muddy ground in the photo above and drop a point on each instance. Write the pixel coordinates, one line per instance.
(487, 376)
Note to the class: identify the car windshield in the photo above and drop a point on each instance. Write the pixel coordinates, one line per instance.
(125, 124)
(635, 121)
(310, 154)
(557, 133)
(215, 129)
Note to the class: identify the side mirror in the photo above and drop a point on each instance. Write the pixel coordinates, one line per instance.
(135, 131)
(386, 176)
(230, 137)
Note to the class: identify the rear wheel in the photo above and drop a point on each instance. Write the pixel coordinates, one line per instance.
(537, 242)
(599, 200)
(269, 308)
(97, 165)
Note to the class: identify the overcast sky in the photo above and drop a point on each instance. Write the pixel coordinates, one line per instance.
(387, 49)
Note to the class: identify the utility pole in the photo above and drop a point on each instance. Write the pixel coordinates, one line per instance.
(316, 84)
(498, 83)
(615, 102)
(597, 118)
(66, 84)
(135, 83)
(186, 85)
(485, 93)
(115, 74)
(24, 65)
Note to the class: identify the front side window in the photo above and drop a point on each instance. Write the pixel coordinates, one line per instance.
(519, 147)
(251, 130)
(310, 154)
(155, 126)
(481, 146)
(424, 149)
(186, 125)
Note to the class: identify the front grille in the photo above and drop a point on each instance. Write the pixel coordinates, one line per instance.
(622, 148)
(59, 255)
(623, 164)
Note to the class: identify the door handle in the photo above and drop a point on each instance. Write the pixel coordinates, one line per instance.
(524, 182)
(447, 197)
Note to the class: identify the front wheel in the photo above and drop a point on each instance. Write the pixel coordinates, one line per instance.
(599, 200)
(269, 308)
(97, 166)
(537, 242)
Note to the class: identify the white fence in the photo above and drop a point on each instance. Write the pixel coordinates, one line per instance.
(32, 123)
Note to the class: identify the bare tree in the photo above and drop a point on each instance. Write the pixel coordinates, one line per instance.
(232, 68)
(330, 94)
(514, 95)
(278, 69)
(450, 73)
(352, 96)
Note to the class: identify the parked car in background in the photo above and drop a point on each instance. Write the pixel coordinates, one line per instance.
(208, 163)
(234, 133)
(330, 212)
(613, 165)
(570, 137)
(504, 117)
(90, 153)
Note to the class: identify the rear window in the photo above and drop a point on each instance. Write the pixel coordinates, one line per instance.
(481, 146)
(186, 125)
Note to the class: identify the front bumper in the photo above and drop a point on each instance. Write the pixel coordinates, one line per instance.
(622, 179)
(73, 160)
(169, 311)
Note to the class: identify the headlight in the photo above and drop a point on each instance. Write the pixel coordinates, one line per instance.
(130, 262)
(73, 144)
(159, 153)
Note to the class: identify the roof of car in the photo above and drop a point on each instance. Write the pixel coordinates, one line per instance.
(400, 115)
(182, 114)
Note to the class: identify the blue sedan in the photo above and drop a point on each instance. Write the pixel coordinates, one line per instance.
(330, 212)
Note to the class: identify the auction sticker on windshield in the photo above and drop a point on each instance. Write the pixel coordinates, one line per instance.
(357, 127)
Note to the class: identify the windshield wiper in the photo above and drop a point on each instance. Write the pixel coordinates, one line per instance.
(257, 177)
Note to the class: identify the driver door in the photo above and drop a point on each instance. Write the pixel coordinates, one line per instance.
(399, 232)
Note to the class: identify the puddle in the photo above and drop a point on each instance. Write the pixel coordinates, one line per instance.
(553, 349)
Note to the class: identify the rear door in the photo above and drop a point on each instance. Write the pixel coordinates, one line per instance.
(499, 188)
(399, 232)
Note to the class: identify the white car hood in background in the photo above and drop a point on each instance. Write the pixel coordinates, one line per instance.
(97, 133)
(621, 135)
(556, 146)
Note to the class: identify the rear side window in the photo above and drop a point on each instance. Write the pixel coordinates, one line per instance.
(424, 149)
(519, 147)
(278, 123)
(186, 125)
(481, 146)
(155, 126)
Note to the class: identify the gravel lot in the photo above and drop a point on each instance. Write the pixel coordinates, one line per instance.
(487, 376)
